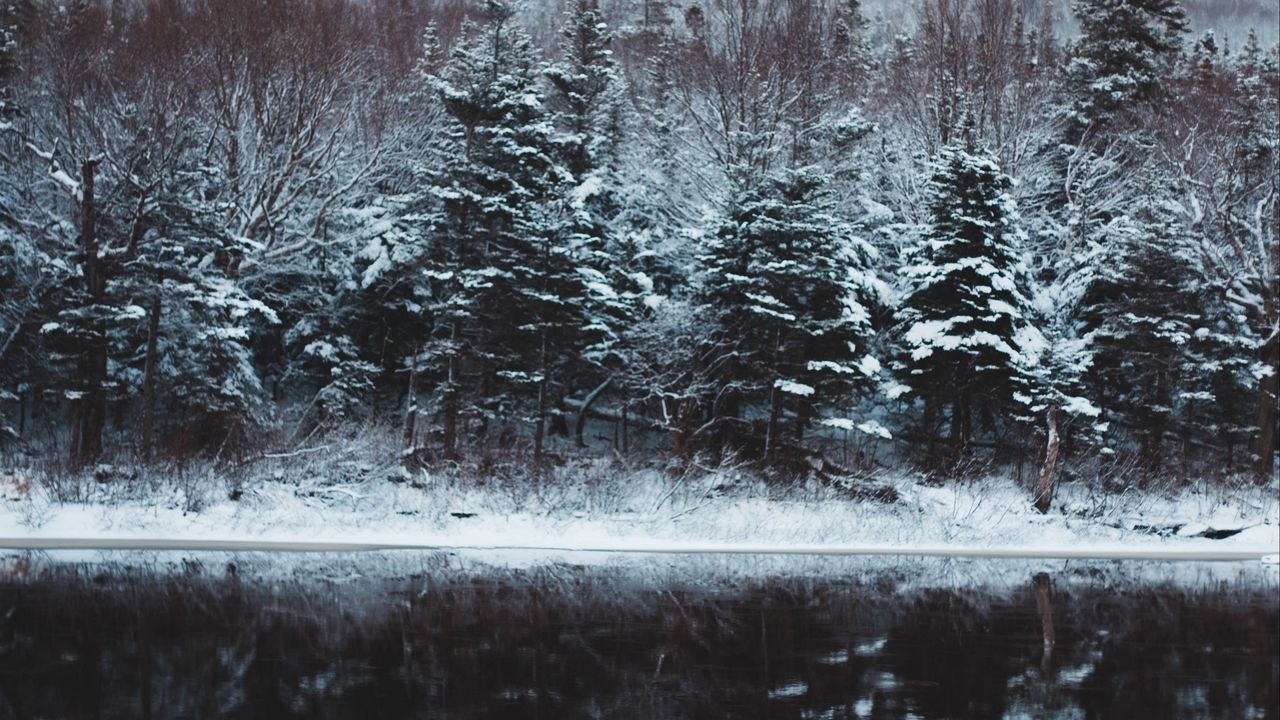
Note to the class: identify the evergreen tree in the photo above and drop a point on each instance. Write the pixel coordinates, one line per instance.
(587, 103)
(791, 292)
(368, 326)
(1255, 157)
(964, 316)
(166, 321)
(1253, 107)
(851, 52)
(11, 260)
(1056, 359)
(588, 98)
(1144, 314)
(505, 294)
(1124, 49)
(373, 310)
(8, 61)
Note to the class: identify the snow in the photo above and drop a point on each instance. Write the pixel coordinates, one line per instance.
(66, 181)
(589, 187)
(792, 689)
(643, 281)
(872, 427)
(893, 389)
(871, 647)
(869, 366)
(601, 289)
(644, 512)
(835, 367)
(794, 388)
(322, 350)
(838, 657)
(381, 262)
(929, 333)
(1030, 340)
(1081, 406)
(876, 213)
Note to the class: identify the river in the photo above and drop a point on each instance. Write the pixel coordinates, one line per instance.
(441, 635)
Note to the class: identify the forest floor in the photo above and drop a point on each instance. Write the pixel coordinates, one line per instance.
(601, 506)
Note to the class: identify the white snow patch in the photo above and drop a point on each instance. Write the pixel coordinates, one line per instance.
(644, 514)
(869, 366)
(871, 647)
(794, 388)
(790, 690)
(871, 427)
(838, 657)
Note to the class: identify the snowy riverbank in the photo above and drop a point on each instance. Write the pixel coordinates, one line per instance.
(646, 511)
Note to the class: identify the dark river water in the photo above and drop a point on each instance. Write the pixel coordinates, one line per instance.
(442, 636)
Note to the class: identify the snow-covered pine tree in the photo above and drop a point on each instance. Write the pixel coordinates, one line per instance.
(183, 342)
(588, 99)
(80, 335)
(8, 61)
(964, 314)
(1257, 157)
(1056, 360)
(506, 295)
(362, 337)
(1168, 361)
(370, 315)
(851, 51)
(1124, 48)
(588, 105)
(790, 290)
(154, 317)
(12, 270)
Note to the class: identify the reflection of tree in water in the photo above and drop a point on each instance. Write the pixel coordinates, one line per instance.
(566, 643)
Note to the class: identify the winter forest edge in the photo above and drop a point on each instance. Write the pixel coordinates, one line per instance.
(806, 239)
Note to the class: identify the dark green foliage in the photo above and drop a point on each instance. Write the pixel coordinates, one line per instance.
(791, 291)
(1169, 361)
(504, 293)
(1125, 50)
(966, 341)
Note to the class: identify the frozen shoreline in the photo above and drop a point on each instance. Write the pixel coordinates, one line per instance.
(666, 548)
(644, 513)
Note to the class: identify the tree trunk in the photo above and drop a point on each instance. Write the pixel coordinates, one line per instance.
(586, 405)
(775, 400)
(957, 438)
(1044, 492)
(149, 378)
(803, 414)
(1153, 450)
(451, 396)
(1044, 608)
(683, 447)
(539, 432)
(626, 440)
(930, 423)
(91, 406)
(411, 405)
(1264, 446)
(771, 430)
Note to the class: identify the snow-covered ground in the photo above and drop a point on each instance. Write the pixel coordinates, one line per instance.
(647, 511)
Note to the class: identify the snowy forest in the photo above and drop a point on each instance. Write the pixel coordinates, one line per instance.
(810, 236)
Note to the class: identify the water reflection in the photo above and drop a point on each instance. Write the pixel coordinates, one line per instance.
(214, 640)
